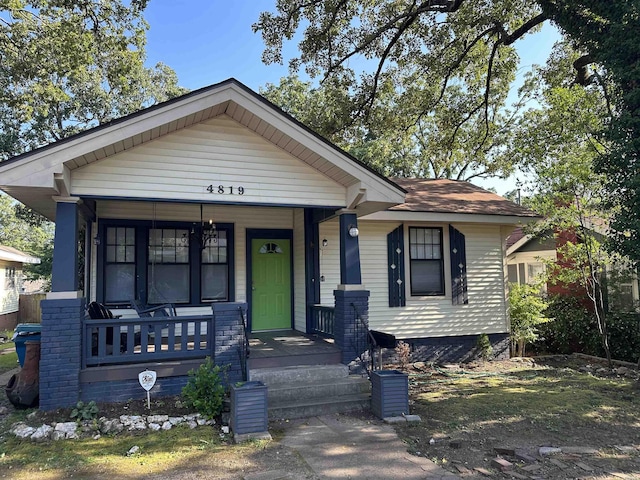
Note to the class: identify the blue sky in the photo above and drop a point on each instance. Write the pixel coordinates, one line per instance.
(207, 41)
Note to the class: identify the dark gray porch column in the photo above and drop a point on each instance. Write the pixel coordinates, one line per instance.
(60, 352)
(349, 250)
(64, 276)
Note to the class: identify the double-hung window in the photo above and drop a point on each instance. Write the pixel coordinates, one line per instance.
(120, 265)
(214, 269)
(168, 269)
(426, 261)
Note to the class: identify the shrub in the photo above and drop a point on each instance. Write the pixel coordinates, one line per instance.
(205, 389)
(485, 350)
(526, 311)
(403, 351)
(85, 411)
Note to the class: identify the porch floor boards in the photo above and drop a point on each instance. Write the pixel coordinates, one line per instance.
(289, 348)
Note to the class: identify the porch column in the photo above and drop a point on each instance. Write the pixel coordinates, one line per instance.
(352, 300)
(60, 352)
(349, 250)
(64, 275)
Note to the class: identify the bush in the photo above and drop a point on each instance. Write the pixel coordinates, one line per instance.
(485, 350)
(85, 411)
(205, 389)
(574, 329)
(526, 311)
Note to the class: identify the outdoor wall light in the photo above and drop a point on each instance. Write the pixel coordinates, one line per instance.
(353, 231)
(325, 242)
(96, 240)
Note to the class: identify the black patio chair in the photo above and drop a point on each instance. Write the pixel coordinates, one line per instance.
(98, 311)
(143, 310)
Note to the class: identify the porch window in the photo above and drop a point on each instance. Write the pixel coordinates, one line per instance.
(214, 270)
(426, 261)
(120, 265)
(168, 269)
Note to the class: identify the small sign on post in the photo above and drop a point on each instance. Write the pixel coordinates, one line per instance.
(147, 380)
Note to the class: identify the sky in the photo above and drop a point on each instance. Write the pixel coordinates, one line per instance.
(208, 41)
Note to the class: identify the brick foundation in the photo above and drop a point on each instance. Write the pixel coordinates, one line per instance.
(450, 349)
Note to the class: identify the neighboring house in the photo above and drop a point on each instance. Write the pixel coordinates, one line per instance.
(528, 254)
(11, 284)
(230, 209)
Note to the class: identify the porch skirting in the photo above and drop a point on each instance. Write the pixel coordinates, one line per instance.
(449, 349)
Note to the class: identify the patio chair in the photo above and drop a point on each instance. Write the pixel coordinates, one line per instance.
(143, 310)
(98, 311)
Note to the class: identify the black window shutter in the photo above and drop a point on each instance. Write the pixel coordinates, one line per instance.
(459, 295)
(395, 264)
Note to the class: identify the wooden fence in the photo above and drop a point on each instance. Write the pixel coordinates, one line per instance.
(29, 308)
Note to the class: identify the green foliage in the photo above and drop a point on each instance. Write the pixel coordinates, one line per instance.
(484, 347)
(526, 311)
(373, 58)
(71, 65)
(85, 411)
(205, 389)
(29, 232)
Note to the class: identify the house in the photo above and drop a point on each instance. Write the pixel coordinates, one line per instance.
(528, 256)
(247, 221)
(11, 283)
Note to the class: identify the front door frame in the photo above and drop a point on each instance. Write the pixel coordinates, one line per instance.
(275, 234)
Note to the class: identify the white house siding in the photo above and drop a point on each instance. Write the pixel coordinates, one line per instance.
(10, 284)
(425, 316)
(242, 218)
(299, 308)
(217, 152)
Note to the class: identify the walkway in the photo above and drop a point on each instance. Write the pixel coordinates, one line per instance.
(345, 447)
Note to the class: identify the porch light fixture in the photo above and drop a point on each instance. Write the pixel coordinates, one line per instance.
(325, 242)
(96, 240)
(353, 231)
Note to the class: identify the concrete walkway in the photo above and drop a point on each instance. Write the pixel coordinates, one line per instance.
(344, 447)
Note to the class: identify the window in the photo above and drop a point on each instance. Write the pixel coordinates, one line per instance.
(535, 272)
(214, 271)
(164, 262)
(426, 261)
(120, 267)
(168, 269)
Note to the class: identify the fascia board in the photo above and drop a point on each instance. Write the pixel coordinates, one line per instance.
(403, 216)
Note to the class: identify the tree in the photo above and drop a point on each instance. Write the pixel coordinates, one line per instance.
(432, 106)
(443, 43)
(559, 142)
(29, 232)
(68, 65)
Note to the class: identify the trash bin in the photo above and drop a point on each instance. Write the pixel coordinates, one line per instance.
(25, 332)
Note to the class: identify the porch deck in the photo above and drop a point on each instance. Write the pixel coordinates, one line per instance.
(288, 348)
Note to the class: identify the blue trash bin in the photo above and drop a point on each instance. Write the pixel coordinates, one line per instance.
(25, 332)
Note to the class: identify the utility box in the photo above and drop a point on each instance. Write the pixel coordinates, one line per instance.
(249, 408)
(389, 393)
(25, 332)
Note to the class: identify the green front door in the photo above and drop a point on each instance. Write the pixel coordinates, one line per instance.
(271, 284)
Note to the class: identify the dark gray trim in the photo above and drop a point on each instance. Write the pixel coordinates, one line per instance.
(349, 251)
(276, 234)
(312, 264)
(129, 372)
(64, 275)
(395, 265)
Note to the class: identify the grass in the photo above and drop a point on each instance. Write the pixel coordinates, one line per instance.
(522, 409)
(164, 451)
(8, 360)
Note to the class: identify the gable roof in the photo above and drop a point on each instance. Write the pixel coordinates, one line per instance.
(11, 254)
(36, 176)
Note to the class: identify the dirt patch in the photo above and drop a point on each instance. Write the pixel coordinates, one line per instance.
(479, 415)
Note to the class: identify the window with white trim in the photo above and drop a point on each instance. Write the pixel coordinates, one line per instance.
(426, 261)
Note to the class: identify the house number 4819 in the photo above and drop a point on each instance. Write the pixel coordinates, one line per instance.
(229, 190)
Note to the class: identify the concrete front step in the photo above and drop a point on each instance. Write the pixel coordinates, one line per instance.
(324, 406)
(298, 373)
(291, 392)
(305, 391)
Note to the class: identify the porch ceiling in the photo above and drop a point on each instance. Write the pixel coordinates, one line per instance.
(35, 177)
